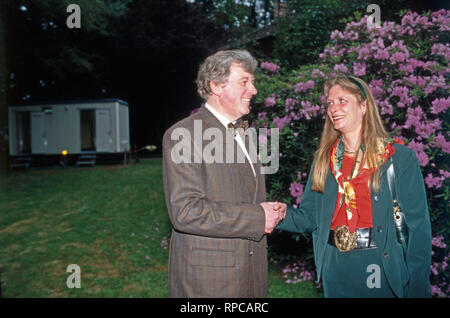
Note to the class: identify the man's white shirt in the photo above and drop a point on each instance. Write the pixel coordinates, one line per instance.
(225, 121)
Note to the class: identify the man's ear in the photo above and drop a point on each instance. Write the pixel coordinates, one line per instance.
(216, 89)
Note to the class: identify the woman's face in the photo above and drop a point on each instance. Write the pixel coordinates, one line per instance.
(344, 110)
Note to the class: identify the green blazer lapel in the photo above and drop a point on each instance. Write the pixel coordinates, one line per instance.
(382, 209)
(331, 191)
(384, 168)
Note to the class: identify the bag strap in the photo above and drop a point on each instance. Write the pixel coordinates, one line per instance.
(391, 182)
(398, 214)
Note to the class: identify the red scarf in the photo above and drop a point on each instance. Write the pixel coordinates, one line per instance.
(358, 182)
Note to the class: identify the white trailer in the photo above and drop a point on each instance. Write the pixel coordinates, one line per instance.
(76, 127)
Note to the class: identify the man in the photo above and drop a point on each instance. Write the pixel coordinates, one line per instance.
(218, 245)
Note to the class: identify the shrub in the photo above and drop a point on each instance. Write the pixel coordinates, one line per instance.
(304, 32)
(406, 66)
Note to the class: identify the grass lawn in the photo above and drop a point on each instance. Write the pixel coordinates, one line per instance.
(109, 220)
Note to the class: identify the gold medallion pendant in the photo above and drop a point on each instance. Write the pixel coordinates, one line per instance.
(344, 240)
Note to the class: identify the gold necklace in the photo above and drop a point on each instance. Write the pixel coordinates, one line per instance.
(350, 152)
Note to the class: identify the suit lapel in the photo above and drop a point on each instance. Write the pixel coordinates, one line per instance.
(259, 188)
(244, 169)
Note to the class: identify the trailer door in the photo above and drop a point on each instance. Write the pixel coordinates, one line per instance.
(103, 138)
(38, 133)
(87, 129)
(22, 141)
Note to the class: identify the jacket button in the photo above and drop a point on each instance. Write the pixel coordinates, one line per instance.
(379, 229)
(250, 253)
(385, 255)
(375, 197)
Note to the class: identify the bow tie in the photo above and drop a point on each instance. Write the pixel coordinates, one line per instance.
(243, 124)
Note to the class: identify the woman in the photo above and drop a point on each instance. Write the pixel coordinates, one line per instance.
(347, 204)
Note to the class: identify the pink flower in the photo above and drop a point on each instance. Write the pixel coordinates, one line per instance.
(290, 103)
(441, 49)
(416, 80)
(296, 190)
(297, 272)
(436, 291)
(376, 87)
(441, 18)
(433, 182)
(341, 68)
(442, 143)
(416, 146)
(359, 69)
(270, 67)
(438, 241)
(317, 73)
(422, 157)
(398, 57)
(440, 105)
(413, 117)
(402, 93)
(411, 65)
(382, 54)
(363, 53)
(282, 122)
(434, 269)
(336, 34)
(300, 86)
(386, 107)
(300, 175)
(444, 173)
(309, 110)
(262, 115)
(270, 101)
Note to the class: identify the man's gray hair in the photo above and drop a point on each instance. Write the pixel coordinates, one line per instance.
(217, 68)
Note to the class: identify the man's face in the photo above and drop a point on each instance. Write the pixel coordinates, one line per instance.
(236, 93)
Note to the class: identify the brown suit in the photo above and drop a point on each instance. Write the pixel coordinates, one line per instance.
(218, 247)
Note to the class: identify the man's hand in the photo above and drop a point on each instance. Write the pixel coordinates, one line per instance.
(275, 212)
(280, 207)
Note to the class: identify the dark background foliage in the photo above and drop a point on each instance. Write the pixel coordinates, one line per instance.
(148, 52)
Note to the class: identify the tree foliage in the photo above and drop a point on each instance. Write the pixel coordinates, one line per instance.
(141, 51)
(303, 33)
(45, 57)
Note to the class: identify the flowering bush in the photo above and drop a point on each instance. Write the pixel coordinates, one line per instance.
(406, 67)
(297, 272)
(439, 287)
(270, 67)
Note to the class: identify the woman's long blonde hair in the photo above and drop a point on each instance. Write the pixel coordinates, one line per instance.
(372, 129)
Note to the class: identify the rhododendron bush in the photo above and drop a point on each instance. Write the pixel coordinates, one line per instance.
(406, 67)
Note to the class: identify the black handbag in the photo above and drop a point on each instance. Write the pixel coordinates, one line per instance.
(399, 216)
